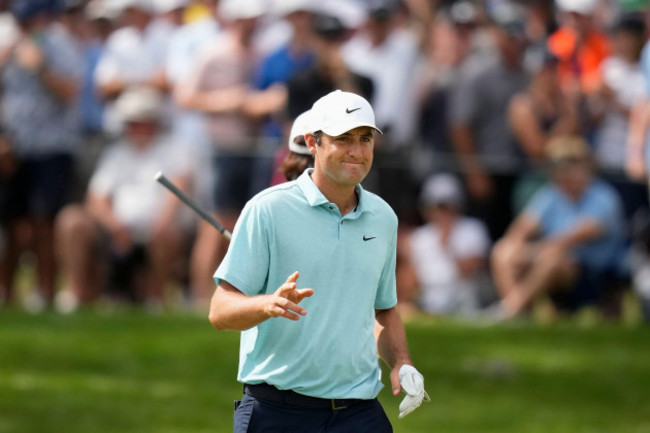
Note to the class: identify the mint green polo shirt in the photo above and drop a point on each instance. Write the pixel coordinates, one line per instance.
(348, 260)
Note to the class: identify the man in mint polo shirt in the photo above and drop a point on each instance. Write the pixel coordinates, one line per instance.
(308, 356)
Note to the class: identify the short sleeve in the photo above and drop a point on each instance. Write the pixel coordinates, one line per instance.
(246, 265)
(464, 101)
(107, 69)
(261, 77)
(604, 207)
(105, 179)
(540, 205)
(472, 240)
(387, 291)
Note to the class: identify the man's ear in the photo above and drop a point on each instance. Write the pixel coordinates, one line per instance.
(310, 141)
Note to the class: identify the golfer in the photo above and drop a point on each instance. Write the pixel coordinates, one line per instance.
(310, 268)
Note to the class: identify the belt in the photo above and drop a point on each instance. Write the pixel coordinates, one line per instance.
(264, 391)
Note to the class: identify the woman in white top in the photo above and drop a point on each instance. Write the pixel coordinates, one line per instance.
(446, 257)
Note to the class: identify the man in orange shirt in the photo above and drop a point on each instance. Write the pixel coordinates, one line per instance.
(579, 45)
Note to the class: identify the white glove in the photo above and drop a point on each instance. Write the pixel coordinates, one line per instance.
(412, 383)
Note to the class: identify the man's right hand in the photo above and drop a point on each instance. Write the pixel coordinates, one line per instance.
(284, 302)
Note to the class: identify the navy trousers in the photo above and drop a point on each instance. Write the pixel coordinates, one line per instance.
(260, 416)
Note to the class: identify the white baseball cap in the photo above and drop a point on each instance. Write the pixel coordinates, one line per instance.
(286, 7)
(299, 128)
(231, 10)
(143, 5)
(442, 188)
(139, 104)
(164, 6)
(338, 112)
(583, 7)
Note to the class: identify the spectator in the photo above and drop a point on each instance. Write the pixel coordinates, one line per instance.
(536, 115)
(623, 86)
(142, 222)
(542, 111)
(187, 41)
(40, 82)
(101, 24)
(568, 239)
(218, 87)
(451, 53)
(447, 257)
(277, 69)
(579, 45)
(488, 153)
(128, 59)
(385, 40)
(299, 158)
(329, 72)
(168, 18)
(269, 97)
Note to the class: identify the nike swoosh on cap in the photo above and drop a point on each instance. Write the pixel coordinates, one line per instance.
(347, 110)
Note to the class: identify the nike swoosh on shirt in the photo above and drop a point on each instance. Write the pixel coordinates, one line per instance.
(367, 239)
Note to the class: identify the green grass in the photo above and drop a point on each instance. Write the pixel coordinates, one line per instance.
(131, 372)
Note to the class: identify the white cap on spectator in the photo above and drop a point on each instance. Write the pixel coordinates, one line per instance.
(287, 7)
(8, 30)
(122, 5)
(300, 127)
(442, 189)
(583, 7)
(164, 6)
(231, 10)
(338, 112)
(139, 104)
(101, 9)
(351, 13)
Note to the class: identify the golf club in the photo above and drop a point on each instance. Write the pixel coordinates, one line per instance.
(160, 178)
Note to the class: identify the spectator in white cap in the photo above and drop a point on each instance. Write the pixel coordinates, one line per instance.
(219, 86)
(445, 267)
(144, 224)
(297, 157)
(309, 356)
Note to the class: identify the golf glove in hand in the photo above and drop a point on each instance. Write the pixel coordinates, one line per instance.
(412, 383)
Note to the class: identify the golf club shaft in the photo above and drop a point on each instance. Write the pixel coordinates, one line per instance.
(188, 201)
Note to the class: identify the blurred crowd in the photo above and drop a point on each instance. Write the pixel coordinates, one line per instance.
(514, 147)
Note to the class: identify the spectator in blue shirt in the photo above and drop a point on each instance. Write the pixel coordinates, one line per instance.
(567, 239)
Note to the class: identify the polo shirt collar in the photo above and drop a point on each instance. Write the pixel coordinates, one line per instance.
(316, 198)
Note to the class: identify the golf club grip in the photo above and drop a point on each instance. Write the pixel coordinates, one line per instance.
(188, 201)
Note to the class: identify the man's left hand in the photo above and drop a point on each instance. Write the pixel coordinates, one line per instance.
(412, 382)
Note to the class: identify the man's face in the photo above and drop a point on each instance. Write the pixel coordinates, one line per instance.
(573, 176)
(141, 133)
(345, 159)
